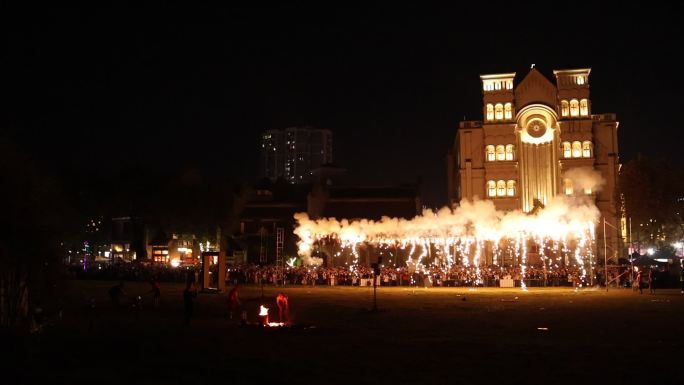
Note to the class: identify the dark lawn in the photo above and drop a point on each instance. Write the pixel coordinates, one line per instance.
(425, 336)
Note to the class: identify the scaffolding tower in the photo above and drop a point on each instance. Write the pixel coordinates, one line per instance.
(280, 241)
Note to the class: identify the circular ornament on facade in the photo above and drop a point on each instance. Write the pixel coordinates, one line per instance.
(536, 129)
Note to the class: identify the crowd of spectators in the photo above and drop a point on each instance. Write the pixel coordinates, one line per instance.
(457, 275)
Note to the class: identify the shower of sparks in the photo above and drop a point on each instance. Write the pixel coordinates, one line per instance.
(472, 234)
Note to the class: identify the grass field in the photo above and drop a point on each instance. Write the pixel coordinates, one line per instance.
(426, 336)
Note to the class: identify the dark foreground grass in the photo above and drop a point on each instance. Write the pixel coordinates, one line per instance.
(421, 336)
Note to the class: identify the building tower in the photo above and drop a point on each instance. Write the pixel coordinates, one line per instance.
(532, 134)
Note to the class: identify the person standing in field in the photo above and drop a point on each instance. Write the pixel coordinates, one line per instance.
(233, 300)
(189, 295)
(283, 308)
(651, 282)
(637, 280)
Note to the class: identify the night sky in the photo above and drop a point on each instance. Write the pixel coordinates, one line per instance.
(91, 92)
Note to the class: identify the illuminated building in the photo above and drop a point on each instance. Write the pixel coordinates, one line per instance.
(293, 153)
(531, 135)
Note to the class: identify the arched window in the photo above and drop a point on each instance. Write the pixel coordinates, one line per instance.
(565, 108)
(574, 107)
(587, 149)
(508, 111)
(567, 186)
(497, 85)
(500, 152)
(509, 85)
(498, 111)
(490, 111)
(567, 150)
(576, 149)
(491, 188)
(501, 188)
(510, 188)
(509, 152)
(490, 154)
(580, 80)
(584, 107)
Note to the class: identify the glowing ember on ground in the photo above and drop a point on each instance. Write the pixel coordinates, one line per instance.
(276, 324)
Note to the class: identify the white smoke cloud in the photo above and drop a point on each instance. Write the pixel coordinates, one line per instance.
(585, 179)
(311, 261)
(472, 221)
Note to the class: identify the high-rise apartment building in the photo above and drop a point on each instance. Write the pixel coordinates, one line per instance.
(293, 153)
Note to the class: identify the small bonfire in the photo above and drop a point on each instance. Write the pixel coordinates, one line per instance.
(263, 318)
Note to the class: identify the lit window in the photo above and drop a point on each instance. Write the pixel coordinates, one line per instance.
(567, 150)
(586, 149)
(500, 152)
(587, 191)
(509, 152)
(580, 80)
(491, 188)
(490, 111)
(501, 188)
(567, 186)
(509, 85)
(574, 107)
(576, 149)
(497, 85)
(565, 109)
(510, 188)
(498, 109)
(490, 153)
(508, 111)
(584, 107)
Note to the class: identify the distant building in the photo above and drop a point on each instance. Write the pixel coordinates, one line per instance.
(293, 153)
(271, 206)
(127, 239)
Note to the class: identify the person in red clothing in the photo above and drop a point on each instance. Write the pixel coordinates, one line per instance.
(233, 300)
(283, 308)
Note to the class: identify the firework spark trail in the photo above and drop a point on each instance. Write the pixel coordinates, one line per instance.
(476, 262)
(355, 252)
(523, 262)
(495, 253)
(422, 255)
(466, 253)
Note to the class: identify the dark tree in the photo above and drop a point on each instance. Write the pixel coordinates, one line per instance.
(652, 192)
(34, 218)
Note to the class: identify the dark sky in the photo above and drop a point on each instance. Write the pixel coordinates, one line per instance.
(91, 91)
